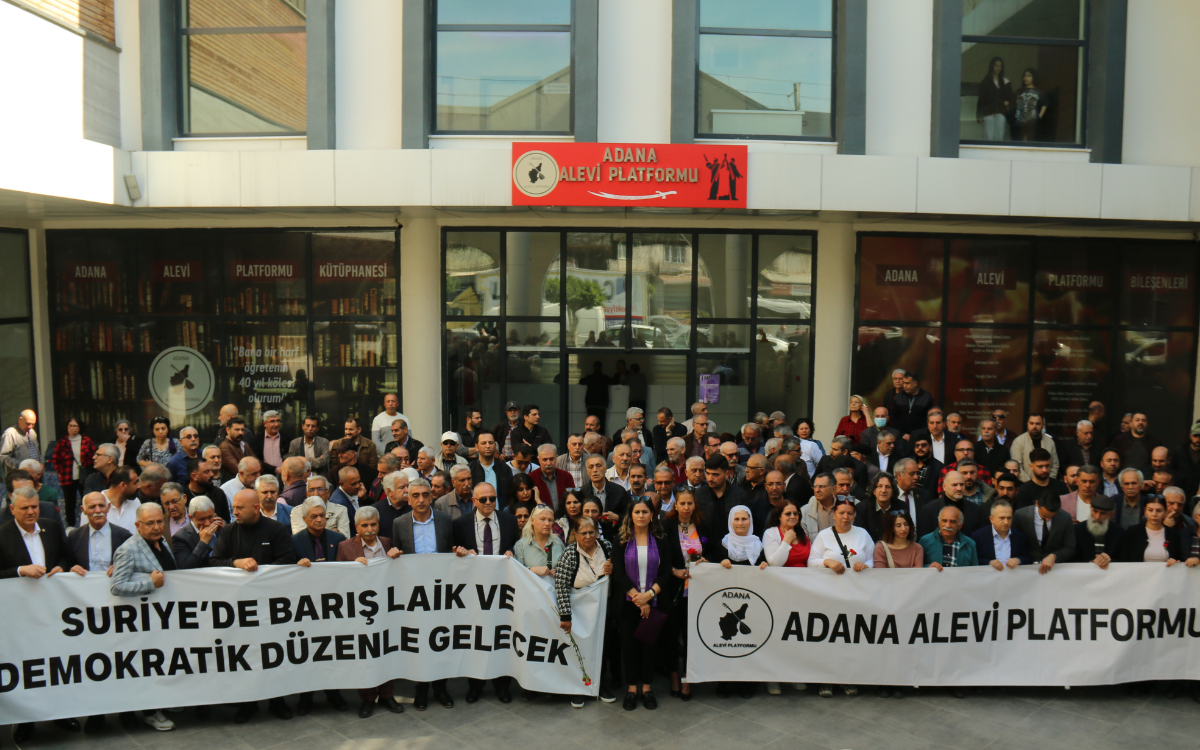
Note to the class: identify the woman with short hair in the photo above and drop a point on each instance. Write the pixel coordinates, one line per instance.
(538, 548)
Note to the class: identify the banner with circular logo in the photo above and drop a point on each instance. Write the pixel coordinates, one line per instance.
(181, 380)
(734, 622)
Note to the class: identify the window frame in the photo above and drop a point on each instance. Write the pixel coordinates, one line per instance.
(692, 354)
(831, 35)
(1084, 42)
(184, 31)
(27, 320)
(437, 28)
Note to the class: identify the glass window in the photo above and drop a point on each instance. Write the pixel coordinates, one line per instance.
(1023, 71)
(472, 372)
(16, 359)
(765, 69)
(14, 283)
(354, 274)
(783, 365)
(179, 279)
(531, 266)
(595, 288)
(244, 67)
(265, 274)
(1154, 377)
(354, 365)
(985, 370)
(94, 277)
(900, 278)
(723, 277)
(1071, 369)
(472, 273)
(1158, 286)
(662, 282)
(784, 276)
(503, 67)
(1075, 285)
(989, 281)
(882, 349)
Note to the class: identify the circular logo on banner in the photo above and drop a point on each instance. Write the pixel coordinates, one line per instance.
(734, 622)
(181, 380)
(535, 174)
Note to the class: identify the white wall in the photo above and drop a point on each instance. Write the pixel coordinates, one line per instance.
(420, 320)
(834, 326)
(1162, 90)
(899, 76)
(128, 34)
(634, 86)
(367, 40)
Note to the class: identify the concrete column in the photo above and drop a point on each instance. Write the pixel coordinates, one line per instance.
(737, 258)
(39, 289)
(128, 37)
(634, 79)
(834, 334)
(368, 47)
(420, 319)
(898, 96)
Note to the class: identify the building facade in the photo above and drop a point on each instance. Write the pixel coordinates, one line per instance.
(304, 204)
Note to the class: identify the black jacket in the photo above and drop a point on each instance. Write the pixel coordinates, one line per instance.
(79, 541)
(670, 556)
(464, 533)
(616, 497)
(13, 553)
(992, 97)
(190, 551)
(302, 543)
(1071, 454)
(661, 437)
(974, 517)
(503, 471)
(1135, 539)
(716, 510)
(1085, 543)
(927, 476)
(910, 411)
(993, 458)
(1185, 471)
(266, 540)
(871, 519)
(533, 438)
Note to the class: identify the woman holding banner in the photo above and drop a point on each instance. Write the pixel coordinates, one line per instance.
(585, 561)
(538, 548)
(1152, 540)
(642, 565)
(683, 522)
(840, 547)
(785, 545)
(741, 547)
(566, 518)
(897, 550)
(608, 530)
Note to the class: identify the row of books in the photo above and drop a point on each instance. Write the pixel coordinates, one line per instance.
(358, 350)
(94, 337)
(91, 296)
(369, 384)
(372, 302)
(263, 301)
(98, 381)
(179, 297)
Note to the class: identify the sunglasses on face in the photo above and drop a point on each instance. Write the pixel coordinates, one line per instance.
(487, 499)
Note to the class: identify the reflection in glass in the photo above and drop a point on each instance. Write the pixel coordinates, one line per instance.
(209, 14)
(882, 349)
(765, 85)
(900, 278)
(1070, 370)
(532, 259)
(472, 273)
(1155, 376)
(354, 365)
(1021, 92)
(265, 274)
(795, 15)
(728, 379)
(784, 276)
(732, 338)
(354, 273)
(472, 372)
(782, 366)
(662, 290)
(985, 370)
(14, 283)
(177, 278)
(723, 276)
(1158, 286)
(94, 276)
(280, 349)
(1048, 19)
(665, 380)
(1075, 284)
(246, 83)
(510, 11)
(595, 288)
(989, 281)
(510, 81)
(534, 370)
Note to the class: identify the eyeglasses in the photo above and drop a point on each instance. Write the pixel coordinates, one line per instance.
(487, 499)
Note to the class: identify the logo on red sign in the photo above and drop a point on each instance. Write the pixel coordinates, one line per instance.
(606, 174)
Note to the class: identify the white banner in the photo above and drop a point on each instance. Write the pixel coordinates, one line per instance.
(1077, 625)
(222, 635)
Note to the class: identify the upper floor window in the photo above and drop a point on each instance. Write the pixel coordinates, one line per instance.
(243, 67)
(765, 69)
(1023, 70)
(503, 66)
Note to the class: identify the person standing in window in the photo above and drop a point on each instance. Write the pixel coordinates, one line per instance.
(995, 98)
(1031, 106)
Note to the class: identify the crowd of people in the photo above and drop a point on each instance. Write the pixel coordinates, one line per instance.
(901, 485)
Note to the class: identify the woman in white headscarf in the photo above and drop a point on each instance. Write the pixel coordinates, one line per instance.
(740, 547)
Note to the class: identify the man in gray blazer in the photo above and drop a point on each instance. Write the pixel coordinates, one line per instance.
(424, 531)
(84, 550)
(1049, 531)
(310, 445)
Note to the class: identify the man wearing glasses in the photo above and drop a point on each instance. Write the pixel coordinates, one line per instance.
(1003, 435)
(485, 532)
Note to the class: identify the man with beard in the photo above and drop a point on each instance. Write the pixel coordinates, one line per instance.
(953, 496)
(754, 481)
(1041, 478)
(1024, 446)
(1098, 537)
(1110, 465)
(974, 490)
(1135, 446)
(929, 469)
(1087, 488)
(1185, 462)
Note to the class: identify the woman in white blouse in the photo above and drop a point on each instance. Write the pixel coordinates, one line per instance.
(842, 546)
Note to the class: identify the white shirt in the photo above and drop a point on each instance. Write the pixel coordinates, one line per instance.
(939, 447)
(643, 557)
(100, 551)
(1038, 525)
(480, 522)
(381, 428)
(126, 515)
(810, 453)
(910, 500)
(883, 461)
(374, 550)
(857, 541)
(232, 487)
(1003, 546)
(612, 476)
(33, 543)
(1083, 510)
(76, 443)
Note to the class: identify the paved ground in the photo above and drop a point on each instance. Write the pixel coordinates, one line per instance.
(1091, 718)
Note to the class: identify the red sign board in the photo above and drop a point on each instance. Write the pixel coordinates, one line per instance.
(177, 270)
(89, 271)
(629, 174)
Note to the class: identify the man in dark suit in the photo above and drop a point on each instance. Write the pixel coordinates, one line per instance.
(797, 485)
(551, 482)
(912, 496)
(953, 495)
(271, 445)
(1098, 538)
(424, 531)
(486, 532)
(487, 466)
(529, 432)
(349, 491)
(998, 544)
(990, 453)
(1048, 529)
(193, 544)
(613, 498)
(316, 544)
(31, 548)
(910, 407)
(718, 497)
(882, 453)
(1082, 450)
(92, 545)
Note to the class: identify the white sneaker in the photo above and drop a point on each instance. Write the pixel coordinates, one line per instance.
(773, 688)
(850, 689)
(157, 721)
(801, 686)
(576, 701)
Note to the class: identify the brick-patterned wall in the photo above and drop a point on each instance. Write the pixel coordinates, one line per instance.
(263, 73)
(95, 16)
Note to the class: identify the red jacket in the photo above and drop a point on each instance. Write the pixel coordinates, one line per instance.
(63, 457)
(562, 479)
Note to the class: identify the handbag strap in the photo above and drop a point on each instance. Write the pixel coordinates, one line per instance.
(842, 547)
(888, 551)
